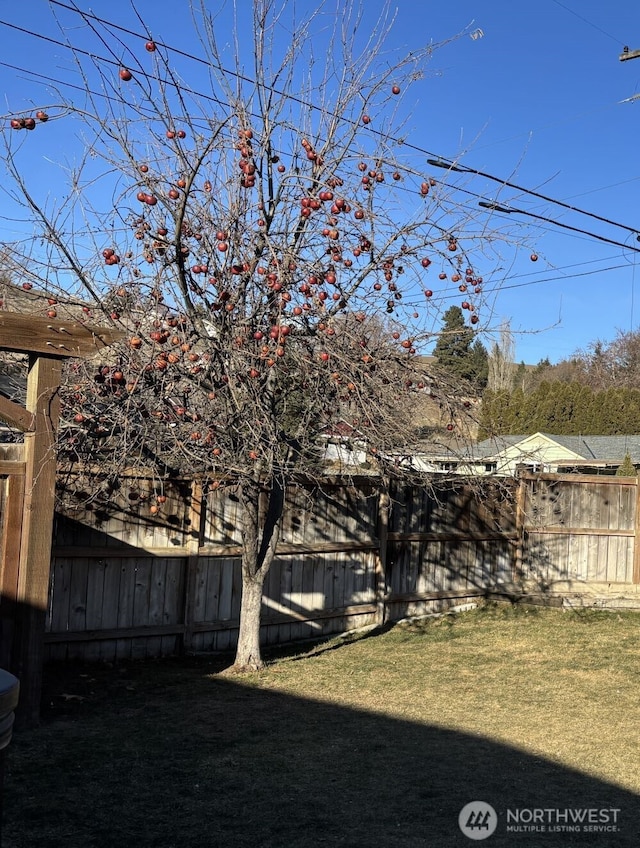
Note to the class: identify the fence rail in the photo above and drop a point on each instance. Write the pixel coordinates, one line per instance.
(126, 584)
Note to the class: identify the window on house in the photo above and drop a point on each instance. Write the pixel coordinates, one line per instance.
(490, 466)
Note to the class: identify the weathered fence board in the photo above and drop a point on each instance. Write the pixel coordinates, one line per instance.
(127, 584)
(580, 529)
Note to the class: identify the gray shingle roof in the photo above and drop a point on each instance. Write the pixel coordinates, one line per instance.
(602, 448)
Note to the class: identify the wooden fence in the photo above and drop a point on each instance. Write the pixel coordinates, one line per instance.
(580, 531)
(128, 584)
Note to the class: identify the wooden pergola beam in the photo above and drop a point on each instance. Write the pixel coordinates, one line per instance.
(53, 337)
(15, 415)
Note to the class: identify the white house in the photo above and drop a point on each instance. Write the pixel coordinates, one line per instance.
(506, 455)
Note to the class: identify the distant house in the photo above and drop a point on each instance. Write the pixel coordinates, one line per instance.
(506, 455)
(343, 446)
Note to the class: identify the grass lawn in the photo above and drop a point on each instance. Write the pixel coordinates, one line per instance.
(372, 740)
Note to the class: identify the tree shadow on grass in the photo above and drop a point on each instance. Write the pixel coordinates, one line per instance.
(191, 760)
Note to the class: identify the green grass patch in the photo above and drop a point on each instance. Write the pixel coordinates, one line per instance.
(375, 739)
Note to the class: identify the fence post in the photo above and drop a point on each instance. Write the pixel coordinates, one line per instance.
(521, 507)
(636, 537)
(381, 559)
(196, 512)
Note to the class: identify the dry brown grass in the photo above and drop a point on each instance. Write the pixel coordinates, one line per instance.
(370, 740)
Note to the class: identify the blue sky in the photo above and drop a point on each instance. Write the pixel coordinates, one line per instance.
(535, 100)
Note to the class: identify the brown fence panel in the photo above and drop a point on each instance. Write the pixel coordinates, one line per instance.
(579, 530)
(448, 541)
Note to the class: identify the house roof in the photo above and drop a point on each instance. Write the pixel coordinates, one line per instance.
(599, 448)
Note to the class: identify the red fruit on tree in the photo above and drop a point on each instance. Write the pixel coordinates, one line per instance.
(42, 116)
(125, 74)
(150, 46)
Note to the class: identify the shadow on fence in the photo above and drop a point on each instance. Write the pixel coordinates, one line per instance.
(129, 584)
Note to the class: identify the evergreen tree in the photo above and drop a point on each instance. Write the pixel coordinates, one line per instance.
(563, 408)
(520, 376)
(626, 468)
(458, 351)
(478, 365)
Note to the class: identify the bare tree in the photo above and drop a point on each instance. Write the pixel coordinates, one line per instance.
(502, 365)
(271, 246)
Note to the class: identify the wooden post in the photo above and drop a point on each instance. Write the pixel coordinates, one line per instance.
(636, 538)
(521, 506)
(12, 508)
(381, 559)
(43, 401)
(196, 511)
(48, 343)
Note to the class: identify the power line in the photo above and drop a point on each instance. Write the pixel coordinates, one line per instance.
(409, 145)
(452, 166)
(505, 208)
(587, 21)
(436, 162)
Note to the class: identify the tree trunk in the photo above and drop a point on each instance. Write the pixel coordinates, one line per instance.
(260, 534)
(248, 656)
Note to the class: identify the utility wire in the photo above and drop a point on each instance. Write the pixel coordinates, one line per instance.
(443, 161)
(587, 21)
(437, 162)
